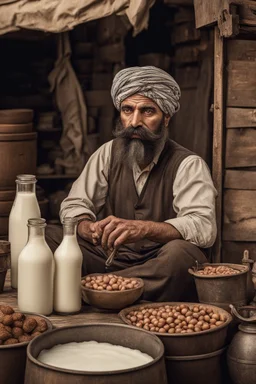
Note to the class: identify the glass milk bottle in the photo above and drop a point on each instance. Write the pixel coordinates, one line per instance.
(36, 271)
(24, 207)
(68, 265)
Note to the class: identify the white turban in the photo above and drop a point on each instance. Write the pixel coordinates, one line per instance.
(148, 81)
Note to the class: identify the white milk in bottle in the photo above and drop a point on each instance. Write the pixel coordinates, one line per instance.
(68, 265)
(25, 206)
(36, 271)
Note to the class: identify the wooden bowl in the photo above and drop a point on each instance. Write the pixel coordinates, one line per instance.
(16, 116)
(188, 344)
(111, 299)
(13, 357)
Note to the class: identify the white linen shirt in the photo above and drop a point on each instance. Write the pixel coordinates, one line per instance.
(193, 194)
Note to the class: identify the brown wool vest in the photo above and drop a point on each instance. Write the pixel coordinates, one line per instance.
(156, 198)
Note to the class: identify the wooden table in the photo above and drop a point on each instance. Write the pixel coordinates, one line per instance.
(87, 314)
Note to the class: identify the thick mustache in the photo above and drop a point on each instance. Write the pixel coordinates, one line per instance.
(141, 132)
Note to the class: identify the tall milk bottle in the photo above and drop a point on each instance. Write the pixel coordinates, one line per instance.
(36, 271)
(68, 265)
(25, 206)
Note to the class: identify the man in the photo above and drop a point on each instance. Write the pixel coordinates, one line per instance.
(156, 197)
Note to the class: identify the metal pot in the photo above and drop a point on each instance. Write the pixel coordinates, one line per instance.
(241, 354)
(208, 368)
(151, 373)
(222, 290)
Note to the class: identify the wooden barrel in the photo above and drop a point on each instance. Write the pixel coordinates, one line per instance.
(18, 153)
(16, 128)
(16, 116)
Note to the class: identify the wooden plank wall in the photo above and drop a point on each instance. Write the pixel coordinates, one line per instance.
(239, 197)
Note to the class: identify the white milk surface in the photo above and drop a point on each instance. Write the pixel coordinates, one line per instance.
(93, 356)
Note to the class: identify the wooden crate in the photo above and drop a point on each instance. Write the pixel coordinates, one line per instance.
(241, 49)
(240, 148)
(240, 117)
(241, 83)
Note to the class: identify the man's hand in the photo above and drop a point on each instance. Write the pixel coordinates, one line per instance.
(116, 232)
(112, 232)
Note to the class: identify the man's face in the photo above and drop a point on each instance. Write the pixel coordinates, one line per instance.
(141, 129)
(140, 111)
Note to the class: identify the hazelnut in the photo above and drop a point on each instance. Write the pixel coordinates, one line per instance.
(17, 332)
(24, 338)
(4, 334)
(29, 324)
(41, 325)
(6, 309)
(34, 334)
(11, 341)
(18, 324)
(7, 320)
(18, 316)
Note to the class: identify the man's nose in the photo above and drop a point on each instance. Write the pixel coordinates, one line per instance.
(136, 119)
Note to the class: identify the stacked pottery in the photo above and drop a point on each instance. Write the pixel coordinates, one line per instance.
(17, 156)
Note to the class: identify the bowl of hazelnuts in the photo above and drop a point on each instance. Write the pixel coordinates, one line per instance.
(109, 291)
(184, 328)
(16, 331)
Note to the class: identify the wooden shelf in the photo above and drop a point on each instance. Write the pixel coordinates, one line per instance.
(57, 176)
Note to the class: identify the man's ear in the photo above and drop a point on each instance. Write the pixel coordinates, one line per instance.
(166, 120)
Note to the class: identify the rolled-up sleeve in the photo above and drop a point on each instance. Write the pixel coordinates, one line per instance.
(89, 191)
(194, 202)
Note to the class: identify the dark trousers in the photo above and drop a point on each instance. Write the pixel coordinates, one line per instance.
(163, 268)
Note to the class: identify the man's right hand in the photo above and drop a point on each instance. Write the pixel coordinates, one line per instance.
(90, 231)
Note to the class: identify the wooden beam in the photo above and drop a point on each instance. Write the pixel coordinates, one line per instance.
(217, 154)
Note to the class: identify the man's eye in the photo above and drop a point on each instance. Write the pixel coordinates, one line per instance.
(149, 111)
(126, 110)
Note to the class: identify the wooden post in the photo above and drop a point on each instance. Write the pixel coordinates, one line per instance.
(217, 153)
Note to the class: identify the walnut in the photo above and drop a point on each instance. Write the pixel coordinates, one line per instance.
(4, 334)
(17, 332)
(18, 324)
(24, 338)
(29, 324)
(11, 341)
(7, 320)
(41, 325)
(18, 316)
(6, 309)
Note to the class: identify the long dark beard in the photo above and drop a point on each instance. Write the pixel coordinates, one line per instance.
(141, 150)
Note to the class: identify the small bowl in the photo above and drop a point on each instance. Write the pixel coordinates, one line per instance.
(111, 299)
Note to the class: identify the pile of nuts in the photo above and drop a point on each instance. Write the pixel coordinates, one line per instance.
(109, 282)
(15, 327)
(220, 270)
(176, 319)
